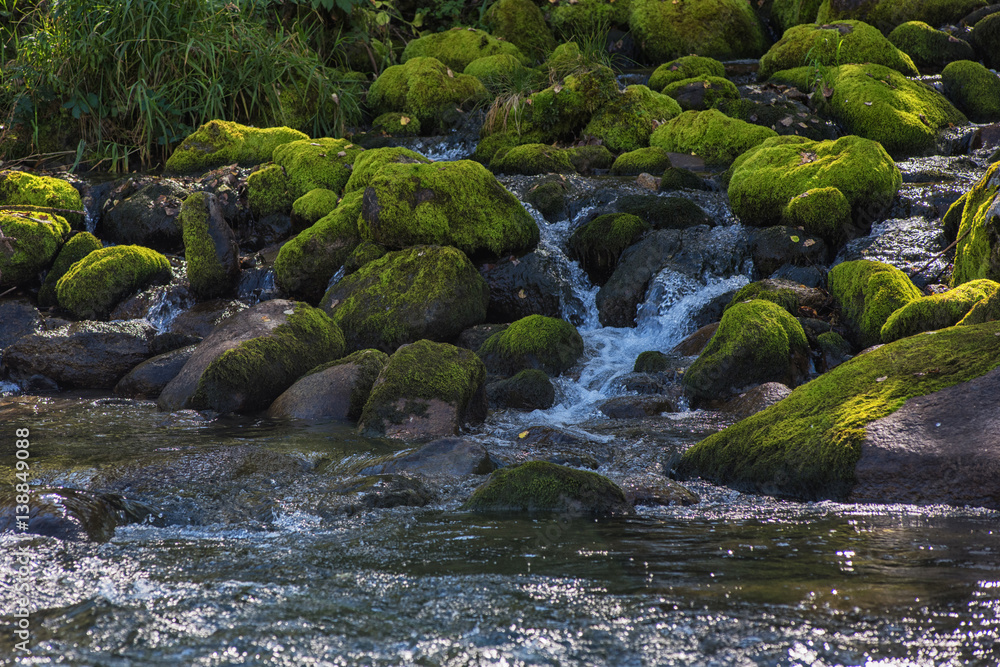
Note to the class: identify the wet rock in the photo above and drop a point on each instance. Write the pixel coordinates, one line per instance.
(664, 212)
(18, 317)
(757, 399)
(84, 355)
(547, 343)
(834, 350)
(390, 490)
(72, 514)
(548, 197)
(694, 343)
(474, 337)
(151, 303)
(213, 257)
(453, 457)
(149, 378)
(978, 252)
(145, 214)
(202, 318)
(702, 92)
(522, 286)
(645, 383)
(651, 361)
(636, 407)
(774, 247)
(598, 244)
(335, 390)
(530, 389)
(547, 436)
(648, 181)
(652, 489)
(868, 293)
(810, 276)
(619, 298)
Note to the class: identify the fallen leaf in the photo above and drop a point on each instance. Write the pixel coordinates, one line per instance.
(786, 121)
(807, 158)
(523, 434)
(795, 239)
(404, 120)
(809, 243)
(882, 379)
(342, 154)
(868, 104)
(521, 294)
(451, 74)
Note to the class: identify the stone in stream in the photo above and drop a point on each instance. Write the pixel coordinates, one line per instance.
(37, 238)
(550, 344)
(334, 390)
(868, 293)
(18, 317)
(626, 123)
(453, 457)
(977, 254)
(218, 143)
(92, 287)
(422, 89)
(598, 244)
(636, 407)
(529, 389)
(72, 514)
(973, 89)
(778, 246)
(523, 286)
(540, 486)
(148, 379)
(213, 256)
(76, 248)
(145, 215)
(619, 298)
(652, 489)
(937, 311)
(387, 491)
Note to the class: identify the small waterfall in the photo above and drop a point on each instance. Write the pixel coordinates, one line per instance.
(256, 285)
(166, 306)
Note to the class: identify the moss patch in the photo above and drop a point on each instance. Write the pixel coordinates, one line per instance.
(686, 67)
(937, 311)
(267, 192)
(788, 13)
(723, 29)
(318, 163)
(977, 254)
(711, 135)
(702, 92)
(547, 343)
(531, 160)
(91, 287)
(37, 238)
(368, 164)
(651, 361)
(458, 47)
(973, 89)
(19, 187)
(313, 206)
(764, 289)
(209, 246)
(218, 143)
(929, 47)
(422, 88)
(651, 160)
(626, 123)
(598, 244)
(887, 14)
(868, 293)
(520, 23)
(78, 247)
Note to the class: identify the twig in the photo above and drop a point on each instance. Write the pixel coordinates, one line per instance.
(40, 209)
(938, 256)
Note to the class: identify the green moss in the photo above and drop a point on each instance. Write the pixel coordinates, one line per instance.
(306, 263)
(423, 89)
(838, 44)
(625, 123)
(977, 254)
(267, 192)
(589, 158)
(986, 38)
(768, 181)
(788, 13)
(312, 206)
(494, 70)
(258, 370)
(540, 486)
(458, 47)
(365, 252)
(879, 103)
(984, 310)
(664, 212)
(651, 160)
(521, 23)
(937, 311)
(91, 287)
(548, 196)
(686, 67)
(206, 272)
(723, 29)
(804, 78)
(19, 187)
(582, 19)
(868, 293)
(531, 160)
(218, 143)
(420, 292)
(420, 372)
(36, 240)
(492, 144)
(702, 92)
(397, 124)
(807, 445)
(369, 363)
(756, 342)
(368, 164)
(78, 247)
(316, 163)
(447, 203)
(598, 244)
(677, 178)
(887, 14)
(710, 134)
(765, 290)
(651, 361)
(548, 343)
(530, 389)
(973, 89)
(929, 47)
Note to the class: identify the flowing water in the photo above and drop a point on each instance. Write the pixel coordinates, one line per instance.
(272, 566)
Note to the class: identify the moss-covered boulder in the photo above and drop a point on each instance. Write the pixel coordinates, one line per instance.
(431, 292)
(91, 287)
(711, 135)
(397, 124)
(210, 248)
(368, 164)
(448, 203)
(540, 486)
(887, 14)
(532, 160)
(34, 238)
(561, 111)
(218, 143)
(520, 22)
(807, 445)
(425, 89)
(651, 361)
(625, 123)
(984, 310)
(973, 89)
(316, 163)
(79, 246)
(986, 39)
(268, 193)
(548, 343)
(833, 45)
(928, 47)
(820, 185)
(503, 71)
(679, 178)
(757, 341)
(881, 104)
(313, 206)
(458, 47)
(702, 92)
(788, 13)
(723, 29)
(650, 160)
(530, 389)
(589, 159)
(337, 389)
(685, 67)
(427, 390)
(930, 313)
(664, 212)
(768, 290)
(977, 254)
(252, 357)
(868, 293)
(598, 244)
(548, 196)
(307, 262)
(22, 188)
(580, 19)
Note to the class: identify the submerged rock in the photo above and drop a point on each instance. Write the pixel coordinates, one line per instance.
(150, 377)
(72, 514)
(450, 457)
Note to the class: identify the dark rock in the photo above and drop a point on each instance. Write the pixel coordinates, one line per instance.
(387, 491)
(139, 306)
(144, 214)
(548, 196)
(664, 212)
(335, 390)
(619, 298)
(452, 457)
(522, 286)
(694, 343)
(202, 318)
(652, 489)
(149, 378)
(546, 436)
(834, 350)
(530, 389)
(474, 337)
(213, 256)
(72, 514)
(651, 362)
(636, 407)
(18, 317)
(774, 247)
(645, 383)
(810, 276)
(753, 401)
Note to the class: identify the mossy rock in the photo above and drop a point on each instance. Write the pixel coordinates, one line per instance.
(520, 22)
(722, 29)
(446, 203)
(431, 292)
(547, 343)
(868, 293)
(427, 382)
(312, 207)
(458, 47)
(267, 192)
(930, 313)
(337, 394)
(928, 47)
(36, 238)
(984, 310)
(986, 39)
(757, 341)
(368, 164)
(210, 248)
(711, 135)
(91, 287)
(767, 184)
(580, 19)
(702, 92)
(832, 45)
(973, 89)
(306, 263)
(767, 290)
(79, 246)
(20, 187)
(561, 111)
(788, 13)
(664, 212)
(317, 163)
(422, 88)
(590, 158)
(881, 104)
(887, 14)
(530, 389)
(978, 252)
(626, 123)
(540, 486)
(678, 178)
(504, 72)
(218, 143)
(598, 244)
(532, 160)
(365, 252)
(685, 67)
(651, 160)
(651, 361)
(397, 124)
(807, 445)
(548, 196)
(491, 144)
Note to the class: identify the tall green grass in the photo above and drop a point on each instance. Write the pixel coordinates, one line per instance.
(139, 75)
